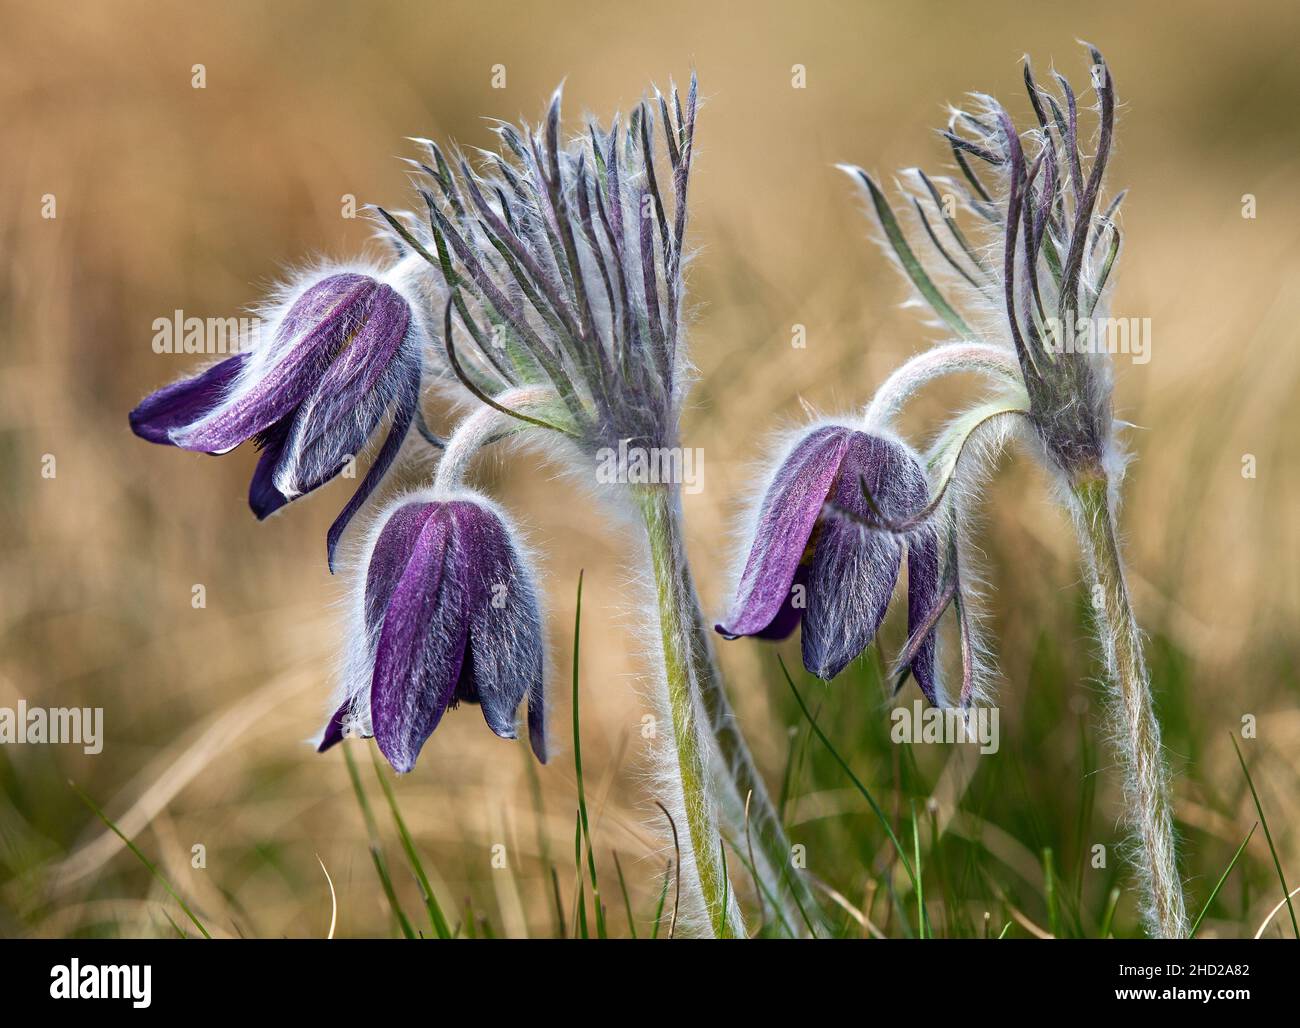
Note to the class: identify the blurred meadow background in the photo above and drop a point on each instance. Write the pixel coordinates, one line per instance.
(170, 197)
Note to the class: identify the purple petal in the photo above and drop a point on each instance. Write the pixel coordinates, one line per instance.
(421, 644)
(855, 568)
(922, 595)
(390, 556)
(328, 311)
(335, 421)
(185, 402)
(407, 405)
(263, 497)
(505, 624)
(791, 613)
(333, 734)
(785, 525)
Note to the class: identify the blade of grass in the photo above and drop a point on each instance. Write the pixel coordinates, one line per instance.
(580, 907)
(920, 878)
(762, 889)
(1049, 892)
(376, 851)
(436, 919)
(577, 767)
(627, 900)
(1277, 863)
(175, 926)
(140, 857)
(559, 902)
(857, 784)
(1108, 918)
(1222, 878)
(677, 874)
(663, 895)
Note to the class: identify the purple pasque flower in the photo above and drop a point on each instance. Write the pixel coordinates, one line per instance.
(346, 348)
(815, 559)
(449, 613)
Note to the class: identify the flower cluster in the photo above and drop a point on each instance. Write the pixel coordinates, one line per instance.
(562, 262)
(830, 528)
(544, 283)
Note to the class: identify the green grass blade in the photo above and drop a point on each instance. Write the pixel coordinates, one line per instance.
(580, 927)
(1049, 892)
(559, 903)
(1222, 878)
(857, 783)
(436, 919)
(1108, 918)
(585, 828)
(175, 927)
(663, 897)
(627, 900)
(139, 855)
(920, 877)
(1277, 863)
(376, 850)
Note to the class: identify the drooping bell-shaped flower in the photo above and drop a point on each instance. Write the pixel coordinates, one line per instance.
(816, 559)
(450, 614)
(344, 351)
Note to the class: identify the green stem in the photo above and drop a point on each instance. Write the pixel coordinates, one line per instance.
(782, 881)
(660, 509)
(1146, 777)
(765, 824)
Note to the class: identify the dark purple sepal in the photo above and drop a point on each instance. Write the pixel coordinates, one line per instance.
(785, 525)
(854, 567)
(505, 632)
(923, 590)
(407, 404)
(185, 402)
(333, 734)
(421, 645)
(331, 308)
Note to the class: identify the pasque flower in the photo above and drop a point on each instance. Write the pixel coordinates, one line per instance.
(345, 349)
(1037, 274)
(449, 614)
(816, 560)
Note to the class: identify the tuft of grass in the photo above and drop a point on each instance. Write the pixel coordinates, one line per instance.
(857, 784)
(436, 919)
(376, 849)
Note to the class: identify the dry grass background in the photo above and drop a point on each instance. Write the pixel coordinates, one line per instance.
(171, 197)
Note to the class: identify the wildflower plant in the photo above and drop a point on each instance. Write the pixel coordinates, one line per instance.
(540, 288)
(1033, 265)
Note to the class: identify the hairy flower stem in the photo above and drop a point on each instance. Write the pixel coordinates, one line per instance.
(1146, 778)
(660, 507)
(680, 608)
